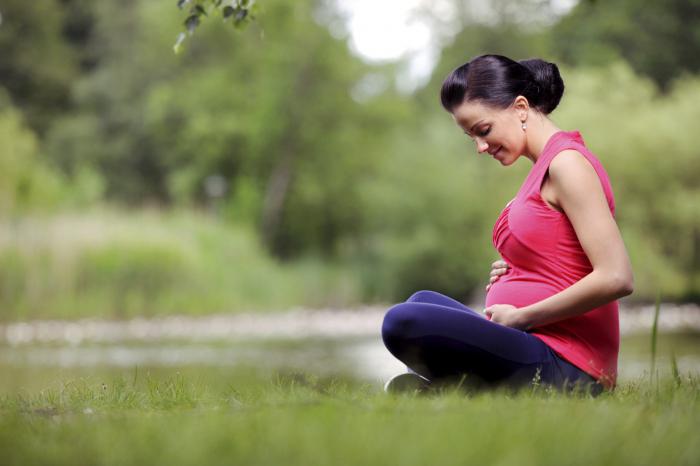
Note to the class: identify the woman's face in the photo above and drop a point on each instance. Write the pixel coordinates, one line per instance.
(495, 131)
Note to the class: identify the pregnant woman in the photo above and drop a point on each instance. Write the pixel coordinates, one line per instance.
(551, 313)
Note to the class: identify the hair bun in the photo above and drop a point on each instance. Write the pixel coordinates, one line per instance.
(548, 80)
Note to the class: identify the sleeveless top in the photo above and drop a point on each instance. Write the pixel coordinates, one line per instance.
(545, 257)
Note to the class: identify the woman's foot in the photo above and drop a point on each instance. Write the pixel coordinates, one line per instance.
(408, 382)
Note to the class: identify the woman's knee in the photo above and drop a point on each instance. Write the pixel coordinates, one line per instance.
(423, 296)
(399, 321)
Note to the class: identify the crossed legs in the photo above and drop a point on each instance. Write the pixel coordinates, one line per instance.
(442, 339)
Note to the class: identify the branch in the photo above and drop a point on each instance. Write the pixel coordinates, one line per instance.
(238, 12)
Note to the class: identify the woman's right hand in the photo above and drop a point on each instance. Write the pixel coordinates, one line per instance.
(498, 268)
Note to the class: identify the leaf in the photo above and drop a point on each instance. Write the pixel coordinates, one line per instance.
(181, 3)
(191, 23)
(178, 43)
(240, 15)
(228, 11)
(200, 10)
(674, 370)
(654, 330)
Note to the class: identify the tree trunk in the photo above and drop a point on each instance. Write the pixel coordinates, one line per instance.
(276, 196)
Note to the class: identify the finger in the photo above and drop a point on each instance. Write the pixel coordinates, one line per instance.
(492, 279)
(488, 286)
(497, 272)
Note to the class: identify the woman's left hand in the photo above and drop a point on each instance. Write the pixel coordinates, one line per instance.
(507, 315)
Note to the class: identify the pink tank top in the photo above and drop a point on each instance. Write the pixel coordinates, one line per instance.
(545, 257)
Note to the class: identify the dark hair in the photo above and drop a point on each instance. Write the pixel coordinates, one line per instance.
(497, 80)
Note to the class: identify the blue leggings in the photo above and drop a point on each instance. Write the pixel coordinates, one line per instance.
(442, 339)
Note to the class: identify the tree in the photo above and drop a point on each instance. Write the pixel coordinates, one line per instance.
(43, 54)
(273, 115)
(659, 39)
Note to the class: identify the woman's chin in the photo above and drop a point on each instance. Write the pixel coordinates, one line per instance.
(505, 161)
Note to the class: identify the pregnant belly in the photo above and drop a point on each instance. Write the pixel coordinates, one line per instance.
(518, 291)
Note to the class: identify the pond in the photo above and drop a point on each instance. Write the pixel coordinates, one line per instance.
(35, 366)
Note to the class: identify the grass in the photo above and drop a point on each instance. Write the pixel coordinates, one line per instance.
(295, 418)
(108, 263)
(654, 333)
(153, 264)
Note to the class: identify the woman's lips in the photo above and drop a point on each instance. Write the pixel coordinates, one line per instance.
(494, 154)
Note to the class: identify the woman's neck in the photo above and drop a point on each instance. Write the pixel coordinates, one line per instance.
(539, 130)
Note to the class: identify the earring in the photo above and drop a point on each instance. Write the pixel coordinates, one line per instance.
(524, 126)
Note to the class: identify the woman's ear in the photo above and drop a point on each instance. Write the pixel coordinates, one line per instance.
(522, 107)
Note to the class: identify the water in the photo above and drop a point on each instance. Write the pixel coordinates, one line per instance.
(36, 365)
(337, 343)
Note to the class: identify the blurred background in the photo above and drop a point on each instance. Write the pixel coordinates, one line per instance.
(305, 161)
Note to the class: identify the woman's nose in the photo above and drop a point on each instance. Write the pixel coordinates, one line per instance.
(481, 145)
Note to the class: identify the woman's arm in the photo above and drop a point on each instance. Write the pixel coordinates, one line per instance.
(580, 195)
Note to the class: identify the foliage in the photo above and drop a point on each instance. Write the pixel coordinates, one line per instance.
(117, 265)
(26, 182)
(658, 39)
(281, 131)
(239, 12)
(278, 123)
(44, 51)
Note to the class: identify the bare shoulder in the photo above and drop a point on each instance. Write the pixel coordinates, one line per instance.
(568, 161)
(575, 181)
(570, 168)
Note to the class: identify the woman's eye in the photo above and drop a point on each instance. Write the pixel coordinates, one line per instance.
(485, 132)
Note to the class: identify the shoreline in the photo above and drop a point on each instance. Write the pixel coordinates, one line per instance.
(292, 324)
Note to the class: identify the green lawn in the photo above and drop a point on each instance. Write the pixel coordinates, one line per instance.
(249, 418)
